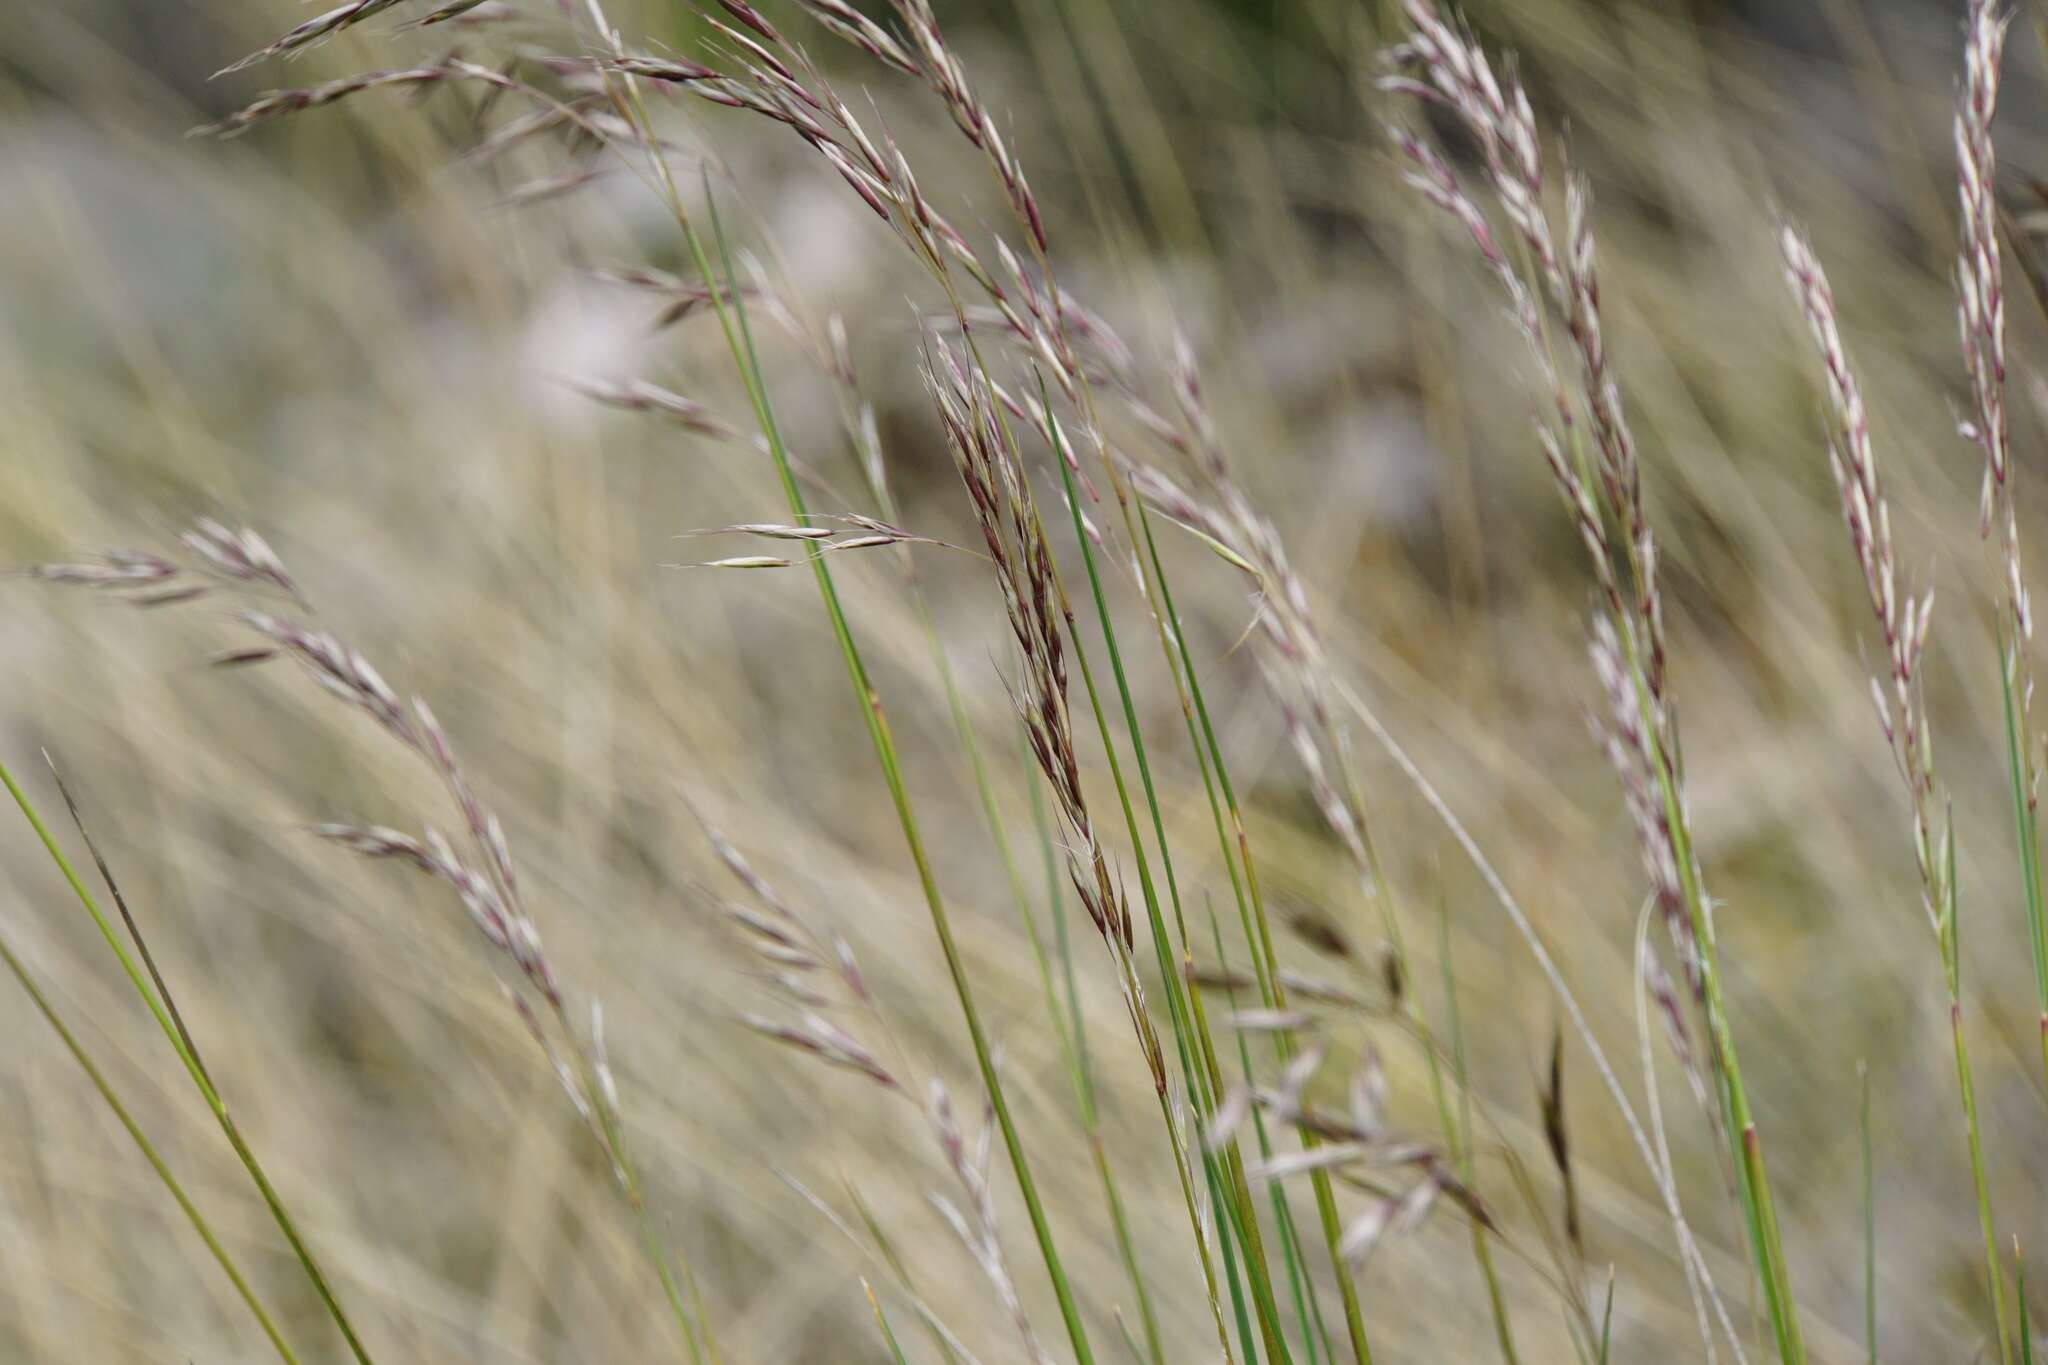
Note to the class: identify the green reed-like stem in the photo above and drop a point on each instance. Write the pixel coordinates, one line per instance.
(1193, 704)
(1065, 1029)
(1753, 1178)
(2019, 1284)
(1074, 1042)
(1869, 1224)
(200, 1080)
(882, 1324)
(2026, 826)
(1759, 1208)
(1458, 1131)
(1184, 1006)
(1950, 938)
(739, 337)
(1307, 1311)
(1258, 926)
(149, 1152)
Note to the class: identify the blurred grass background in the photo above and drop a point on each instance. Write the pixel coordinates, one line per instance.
(331, 330)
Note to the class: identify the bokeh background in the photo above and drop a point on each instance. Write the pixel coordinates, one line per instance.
(339, 331)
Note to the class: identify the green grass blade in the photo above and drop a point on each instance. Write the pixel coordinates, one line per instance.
(733, 317)
(1459, 1134)
(1869, 1226)
(1952, 959)
(2026, 829)
(1607, 1321)
(1257, 925)
(149, 1152)
(2019, 1279)
(1283, 1215)
(1075, 1035)
(314, 1275)
(882, 1322)
(1184, 1007)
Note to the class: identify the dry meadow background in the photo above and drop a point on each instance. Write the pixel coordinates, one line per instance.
(338, 330)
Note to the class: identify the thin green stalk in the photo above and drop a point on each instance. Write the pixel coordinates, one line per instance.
(1064, 942)
(163, 988)
(1948, 937)
(733, 320)
(1268, 977)
(942, 274)
(1255, 1257)
(149, 1152)
(1184, 1007)
(1997, 1275)
(1746, 1146)
(1951, 952)
(1092, 1130)
(1465, 1157)
(1233, 1156)
(2026, 828)
(1246, 1341)
(1869, 1225)
(1252, 906)
(2019, 1278)
(1084, 1083)
(885, 1247)
(1073, 1041)
(643, 1218)
(1459, 1135)
(1759, 1209)
(1064, 1027)
(193, 1069)
(1282, 1040)
(1200, 1095)
(882, 1322)
(1290, 1241)
(737, 331)
(1607, 1320)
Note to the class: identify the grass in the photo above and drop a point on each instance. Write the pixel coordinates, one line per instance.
(163, 1011)
(1159, 1094)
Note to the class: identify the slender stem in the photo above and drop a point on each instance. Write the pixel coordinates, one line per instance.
(733, 321)
(1252, 908)
(193, 1069)
(1759, 1208)
(2019, 1285)
(1074, 1039)
(1184, 1007)
(1459, 1133)
(163, 988)
(1977, 1175)
(2026, 827)
(882, 1322)
(1066, 1030)
(629, 1182)
(1869, 1226)
(1305, 1307)
(150, 1153)
(733, 324)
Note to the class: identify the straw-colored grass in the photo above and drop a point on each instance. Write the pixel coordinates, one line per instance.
(1130, 876)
